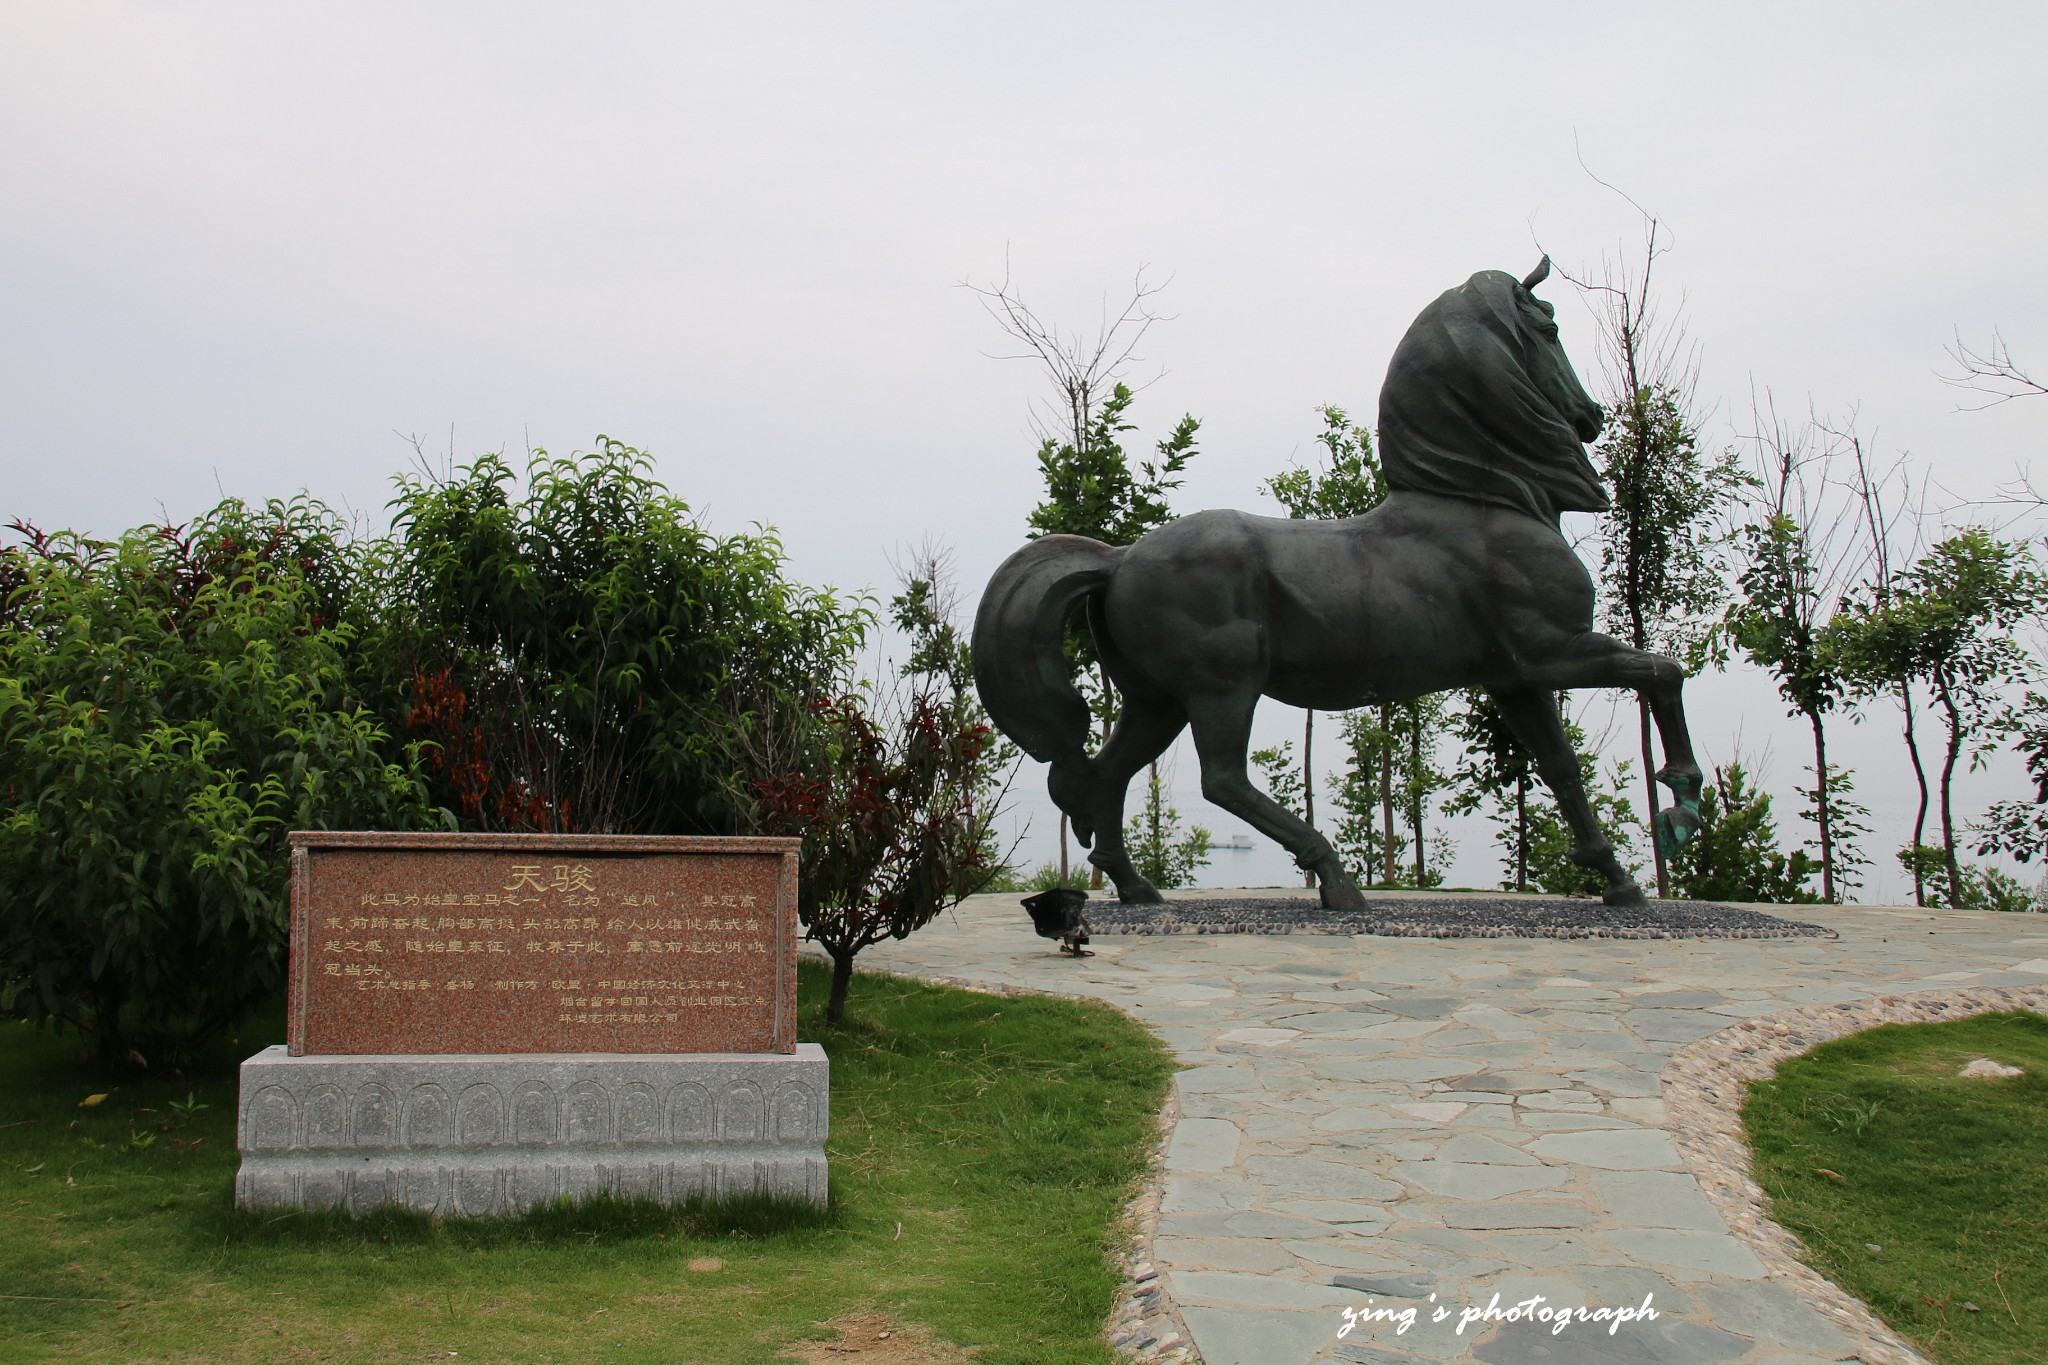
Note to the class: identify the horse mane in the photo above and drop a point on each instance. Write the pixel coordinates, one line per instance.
(1460, 416)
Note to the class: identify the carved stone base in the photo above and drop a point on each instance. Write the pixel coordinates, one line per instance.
(472, 1136)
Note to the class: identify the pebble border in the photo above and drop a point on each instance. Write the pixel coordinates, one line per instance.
(1450, 917)
(1144, 1326)
(1704, 1085)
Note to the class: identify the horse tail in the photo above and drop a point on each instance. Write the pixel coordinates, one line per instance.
(1020, 665)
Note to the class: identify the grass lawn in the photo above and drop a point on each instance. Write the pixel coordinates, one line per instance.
(1922, 1193)
(981, 1150)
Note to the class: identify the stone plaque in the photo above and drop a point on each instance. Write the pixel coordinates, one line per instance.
(510, 943)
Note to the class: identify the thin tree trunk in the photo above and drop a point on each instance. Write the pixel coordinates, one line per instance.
(1308, 782)
(1521, 832)
(1152, 804)
(1388, 856)
(1108, 721)
(1948, 768)
(1650, 782)
(1063, 848)
(1824, 810)
(1415, 791)
(1920, 776)
(842, 974)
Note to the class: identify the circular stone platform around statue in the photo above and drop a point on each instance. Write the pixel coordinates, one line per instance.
(1464, 916)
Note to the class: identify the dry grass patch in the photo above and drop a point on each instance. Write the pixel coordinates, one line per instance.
(871, 1338)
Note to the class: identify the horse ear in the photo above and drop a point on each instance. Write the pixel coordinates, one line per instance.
(1539, 274)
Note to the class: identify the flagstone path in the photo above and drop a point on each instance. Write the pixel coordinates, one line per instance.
(1378, 1124)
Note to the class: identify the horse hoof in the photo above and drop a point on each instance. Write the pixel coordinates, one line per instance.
(1630, 896)
(1341, 895)
(1139, 892)
(1675, 827)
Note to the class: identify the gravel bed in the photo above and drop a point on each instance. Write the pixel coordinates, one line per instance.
(1448, 917)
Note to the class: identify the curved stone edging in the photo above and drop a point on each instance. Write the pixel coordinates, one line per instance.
(1704, 1086)
(1143, 1325)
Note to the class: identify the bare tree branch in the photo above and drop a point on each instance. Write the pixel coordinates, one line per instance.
(1081, 368)
(1991, 371)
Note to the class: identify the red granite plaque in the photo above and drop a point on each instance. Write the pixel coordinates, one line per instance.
(492, 943)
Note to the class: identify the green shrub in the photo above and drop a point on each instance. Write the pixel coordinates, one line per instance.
(580, 653)
(171, 704)
(1735, 856)
(1984, 887)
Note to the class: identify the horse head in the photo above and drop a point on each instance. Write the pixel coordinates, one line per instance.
(1482, 404)
(1549, 368)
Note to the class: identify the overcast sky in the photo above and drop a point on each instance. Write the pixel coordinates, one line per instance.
(247, 246)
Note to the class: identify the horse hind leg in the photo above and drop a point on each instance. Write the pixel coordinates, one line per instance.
(1223, 728)
(1532, 714)
(1147, 726)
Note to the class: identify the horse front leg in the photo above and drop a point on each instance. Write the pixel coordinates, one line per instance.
(1531, 712)
(1596, 660)
(1223, 731)
(1678, 824)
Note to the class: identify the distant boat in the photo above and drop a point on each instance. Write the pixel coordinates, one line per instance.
(1236, 843)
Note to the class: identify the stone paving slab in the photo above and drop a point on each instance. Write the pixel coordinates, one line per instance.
(1381, 1125)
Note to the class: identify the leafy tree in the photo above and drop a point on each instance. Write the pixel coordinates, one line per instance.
(1091, 489)
(1789, 591)
(582, 654)
(1498, 771)
(2020, 828)
(893, 822)
(1417, 727)
(1736, 856)
(1161, 853)
(1372, 849)
(1659, 564)
(926, 612)
(1862, 669)
(1349, 484)
(1948, 623)
(1391, 766)
(171, 704)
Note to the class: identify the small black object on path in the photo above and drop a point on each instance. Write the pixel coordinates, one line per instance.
(1466, 916)
(1057, 914)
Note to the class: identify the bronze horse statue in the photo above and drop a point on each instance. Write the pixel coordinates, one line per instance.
(1460, 578)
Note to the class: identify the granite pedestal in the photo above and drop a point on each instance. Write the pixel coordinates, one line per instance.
(482, 1135)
